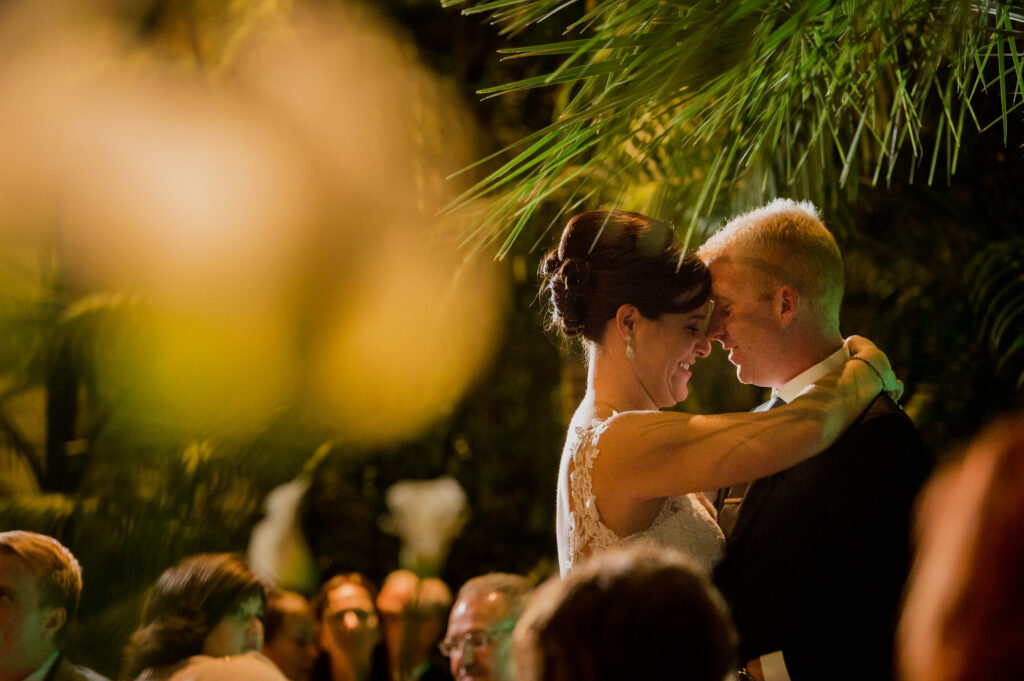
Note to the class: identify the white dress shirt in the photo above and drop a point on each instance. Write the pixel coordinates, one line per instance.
(40, 674)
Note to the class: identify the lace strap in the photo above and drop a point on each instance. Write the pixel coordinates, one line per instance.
(586, 531)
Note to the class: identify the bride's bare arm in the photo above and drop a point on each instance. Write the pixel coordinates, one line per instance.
(662, 454)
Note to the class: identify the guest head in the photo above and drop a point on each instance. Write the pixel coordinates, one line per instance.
(348, 624)
(209, 604)
(40, 583)
(289, 634)
(619, 280)
(479, 637)
(964, 614)
(638, 612)
(413, 611)
(777, 278)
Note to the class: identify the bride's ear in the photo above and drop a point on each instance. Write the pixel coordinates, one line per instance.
(625, 317)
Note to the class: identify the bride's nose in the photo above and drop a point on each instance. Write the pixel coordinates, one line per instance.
(703, 347)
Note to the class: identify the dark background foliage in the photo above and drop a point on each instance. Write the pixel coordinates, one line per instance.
(933, 275)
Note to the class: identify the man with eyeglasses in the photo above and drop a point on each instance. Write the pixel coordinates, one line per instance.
(479, 638)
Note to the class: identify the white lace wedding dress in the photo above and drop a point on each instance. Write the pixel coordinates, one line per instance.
(684, 523)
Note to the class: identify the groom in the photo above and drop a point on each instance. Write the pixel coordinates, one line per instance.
(815, 565)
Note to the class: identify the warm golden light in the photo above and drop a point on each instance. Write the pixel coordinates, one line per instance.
(269, 218)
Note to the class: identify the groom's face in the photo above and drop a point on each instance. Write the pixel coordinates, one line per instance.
(743, 321)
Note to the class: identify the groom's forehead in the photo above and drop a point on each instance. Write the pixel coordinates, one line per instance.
(749, 269)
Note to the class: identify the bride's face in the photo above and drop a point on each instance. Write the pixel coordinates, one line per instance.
(665, 350)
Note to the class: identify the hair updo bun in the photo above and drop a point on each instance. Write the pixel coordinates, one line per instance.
(568, 281)
(607, 259)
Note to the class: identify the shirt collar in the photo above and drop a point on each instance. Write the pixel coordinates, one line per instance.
(796, 385)
(40, 674)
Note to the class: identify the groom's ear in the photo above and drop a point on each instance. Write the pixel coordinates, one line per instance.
(786, 301)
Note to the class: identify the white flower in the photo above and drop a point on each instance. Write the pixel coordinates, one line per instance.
(277, 548)
(426, 515)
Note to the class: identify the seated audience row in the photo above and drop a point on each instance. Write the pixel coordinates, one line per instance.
(633, 612)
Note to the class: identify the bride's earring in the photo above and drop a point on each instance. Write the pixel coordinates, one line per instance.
(629, 346)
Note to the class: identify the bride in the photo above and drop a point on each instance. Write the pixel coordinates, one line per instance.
(630, 472)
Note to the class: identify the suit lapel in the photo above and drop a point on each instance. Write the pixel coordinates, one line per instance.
(755, 492)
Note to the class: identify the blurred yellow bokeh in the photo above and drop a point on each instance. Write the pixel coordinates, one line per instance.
(270, 214)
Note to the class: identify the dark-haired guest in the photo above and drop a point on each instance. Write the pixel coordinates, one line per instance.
(620, 282)
(413, 611)
(289, 635)
(204, 609)
(40, 585)
(348, 631)
(636, 612)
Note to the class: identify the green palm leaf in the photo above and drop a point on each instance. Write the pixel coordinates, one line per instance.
(738, 93)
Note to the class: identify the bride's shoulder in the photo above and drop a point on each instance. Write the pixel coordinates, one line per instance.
(613, 430)
(641, 419)
(634, 431)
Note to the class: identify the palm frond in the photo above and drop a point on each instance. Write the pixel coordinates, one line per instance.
(995, 277)
(731, 92)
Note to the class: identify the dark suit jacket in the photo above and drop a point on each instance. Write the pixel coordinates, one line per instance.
(65, 671)
(816, 564)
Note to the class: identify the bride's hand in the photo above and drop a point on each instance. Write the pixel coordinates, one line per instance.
(863, 349)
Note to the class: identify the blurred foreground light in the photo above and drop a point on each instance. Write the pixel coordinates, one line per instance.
(204, 374)
(273, 221)
(414, 332)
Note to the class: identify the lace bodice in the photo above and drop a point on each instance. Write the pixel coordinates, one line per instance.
(683, 523)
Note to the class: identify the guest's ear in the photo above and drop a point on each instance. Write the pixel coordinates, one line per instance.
(786, 302)
(54, 619)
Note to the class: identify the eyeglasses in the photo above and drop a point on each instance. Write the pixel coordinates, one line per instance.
(478, 638)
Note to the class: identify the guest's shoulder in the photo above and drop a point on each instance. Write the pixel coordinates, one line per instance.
(247, 667)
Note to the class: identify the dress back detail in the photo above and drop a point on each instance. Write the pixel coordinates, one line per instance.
(683, 523)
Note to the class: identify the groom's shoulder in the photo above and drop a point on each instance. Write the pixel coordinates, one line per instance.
(884, 413)
(883, 429)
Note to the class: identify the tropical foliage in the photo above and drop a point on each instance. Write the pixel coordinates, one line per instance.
(695, 111)
(675, 105)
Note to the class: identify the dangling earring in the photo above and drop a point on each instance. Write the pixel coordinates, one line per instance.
(629, 346)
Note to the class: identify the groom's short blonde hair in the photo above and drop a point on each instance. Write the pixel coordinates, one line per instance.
(787, 241)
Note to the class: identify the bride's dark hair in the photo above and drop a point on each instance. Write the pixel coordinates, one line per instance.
(607, 259)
